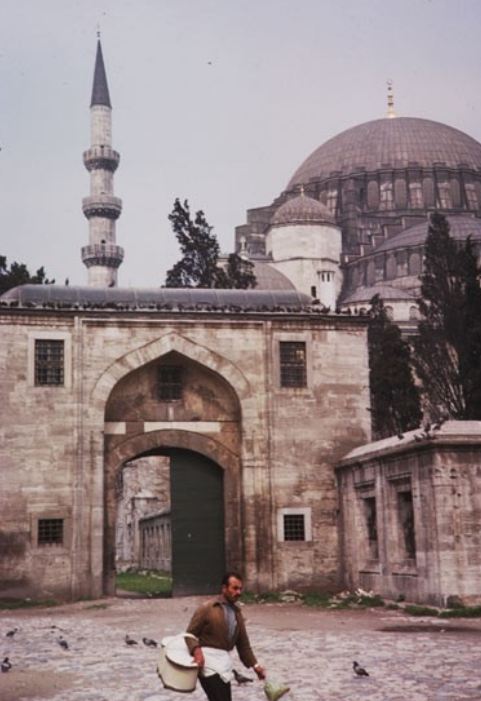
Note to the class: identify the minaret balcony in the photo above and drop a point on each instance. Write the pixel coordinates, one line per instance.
(106, 254)
(98, 157)
(102, 206)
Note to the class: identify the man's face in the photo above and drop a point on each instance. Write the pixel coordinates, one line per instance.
(232, 590)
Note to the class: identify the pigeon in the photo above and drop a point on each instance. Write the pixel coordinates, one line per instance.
(63, 643)
(149, 642)
(6, 665)
(240, 679)
(360, 671)
(12, 632)
(130, 641)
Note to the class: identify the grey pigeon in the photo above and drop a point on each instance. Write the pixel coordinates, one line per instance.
(240, 679)
(360, 671)
(149, 642)
(130, 641)
(6, 665)
(63, 643)
(11, 633)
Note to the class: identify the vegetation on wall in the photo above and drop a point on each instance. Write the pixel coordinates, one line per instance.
(199, 265)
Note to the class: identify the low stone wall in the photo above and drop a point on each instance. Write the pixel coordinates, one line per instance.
(411, 515)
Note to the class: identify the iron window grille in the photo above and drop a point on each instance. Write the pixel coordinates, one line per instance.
(50, 531)
(49, 362)
(294, 527)
(293, 364)
(170, 382)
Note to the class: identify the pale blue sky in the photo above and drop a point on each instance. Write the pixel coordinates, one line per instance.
(214, 101)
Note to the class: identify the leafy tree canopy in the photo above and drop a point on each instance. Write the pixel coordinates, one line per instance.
(199, 265)
(447, 356)
(395, 404)
(18, 274)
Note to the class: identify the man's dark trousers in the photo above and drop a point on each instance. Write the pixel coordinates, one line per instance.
(215, 688)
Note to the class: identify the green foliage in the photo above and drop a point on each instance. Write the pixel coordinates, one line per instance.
(463, 612)
(415, 610)
(11, 604)
(395, 404)
(150, 583)
(240, 273)
(18, 274)
(199, 265)
(317, 600)
(447, 356)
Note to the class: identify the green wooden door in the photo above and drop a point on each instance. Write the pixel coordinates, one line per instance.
(197, 510)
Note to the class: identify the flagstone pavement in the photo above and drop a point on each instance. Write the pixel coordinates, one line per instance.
(408, 659)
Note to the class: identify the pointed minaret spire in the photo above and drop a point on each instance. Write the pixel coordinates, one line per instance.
(100, 89)
(102, 256)
(390, 101)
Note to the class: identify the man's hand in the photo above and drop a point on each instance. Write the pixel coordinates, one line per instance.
(260, 671)
(198, 656)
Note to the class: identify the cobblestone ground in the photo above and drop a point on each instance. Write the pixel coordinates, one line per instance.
(407, 659)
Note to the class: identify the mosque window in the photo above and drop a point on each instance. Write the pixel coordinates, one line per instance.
(369, 504)
(471, 196)
(389, 312)
(386, 196)
(416, 195)
(50, 531)
(444, 195)
(49, 362)
(169, 382)
(293, 363)
(413, 313)
(406, 522)
(294, 524)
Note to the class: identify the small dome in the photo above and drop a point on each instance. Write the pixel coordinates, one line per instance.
(302, 210)
(269, 278)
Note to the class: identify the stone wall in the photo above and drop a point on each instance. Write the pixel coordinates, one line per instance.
(411, 514)
(62, 447)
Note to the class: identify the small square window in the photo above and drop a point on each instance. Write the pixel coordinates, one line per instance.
(170, 382)
(294, 527)
(49, 362)
(293, 363)
(50, 531)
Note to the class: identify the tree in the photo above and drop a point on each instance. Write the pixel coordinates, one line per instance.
(395, 403)
(447, 356)
(199, 265)
(18, 274)
(240, 272)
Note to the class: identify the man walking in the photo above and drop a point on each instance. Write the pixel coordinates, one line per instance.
(219, 626)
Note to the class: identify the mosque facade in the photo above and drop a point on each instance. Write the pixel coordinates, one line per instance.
(219, 416)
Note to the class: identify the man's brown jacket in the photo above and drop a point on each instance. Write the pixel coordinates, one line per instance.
(209, 627)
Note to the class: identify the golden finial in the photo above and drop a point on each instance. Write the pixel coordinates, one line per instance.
(98, 30)
(390, 101)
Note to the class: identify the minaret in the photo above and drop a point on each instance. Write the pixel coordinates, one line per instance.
(102, 256)
(391, 114)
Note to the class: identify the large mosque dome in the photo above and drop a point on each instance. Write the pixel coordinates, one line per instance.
(399, 142)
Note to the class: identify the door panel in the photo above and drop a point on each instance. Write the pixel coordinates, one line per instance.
(197, 510)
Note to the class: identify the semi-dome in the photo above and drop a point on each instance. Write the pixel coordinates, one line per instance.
(460, 228)
(395, 142)
(302, 210)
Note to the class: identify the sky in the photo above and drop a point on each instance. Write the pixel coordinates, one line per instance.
(214, 101)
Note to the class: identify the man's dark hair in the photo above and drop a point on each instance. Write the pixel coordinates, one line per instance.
(228, 575)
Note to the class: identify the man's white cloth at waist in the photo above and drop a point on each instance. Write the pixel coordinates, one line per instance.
(217, 662)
